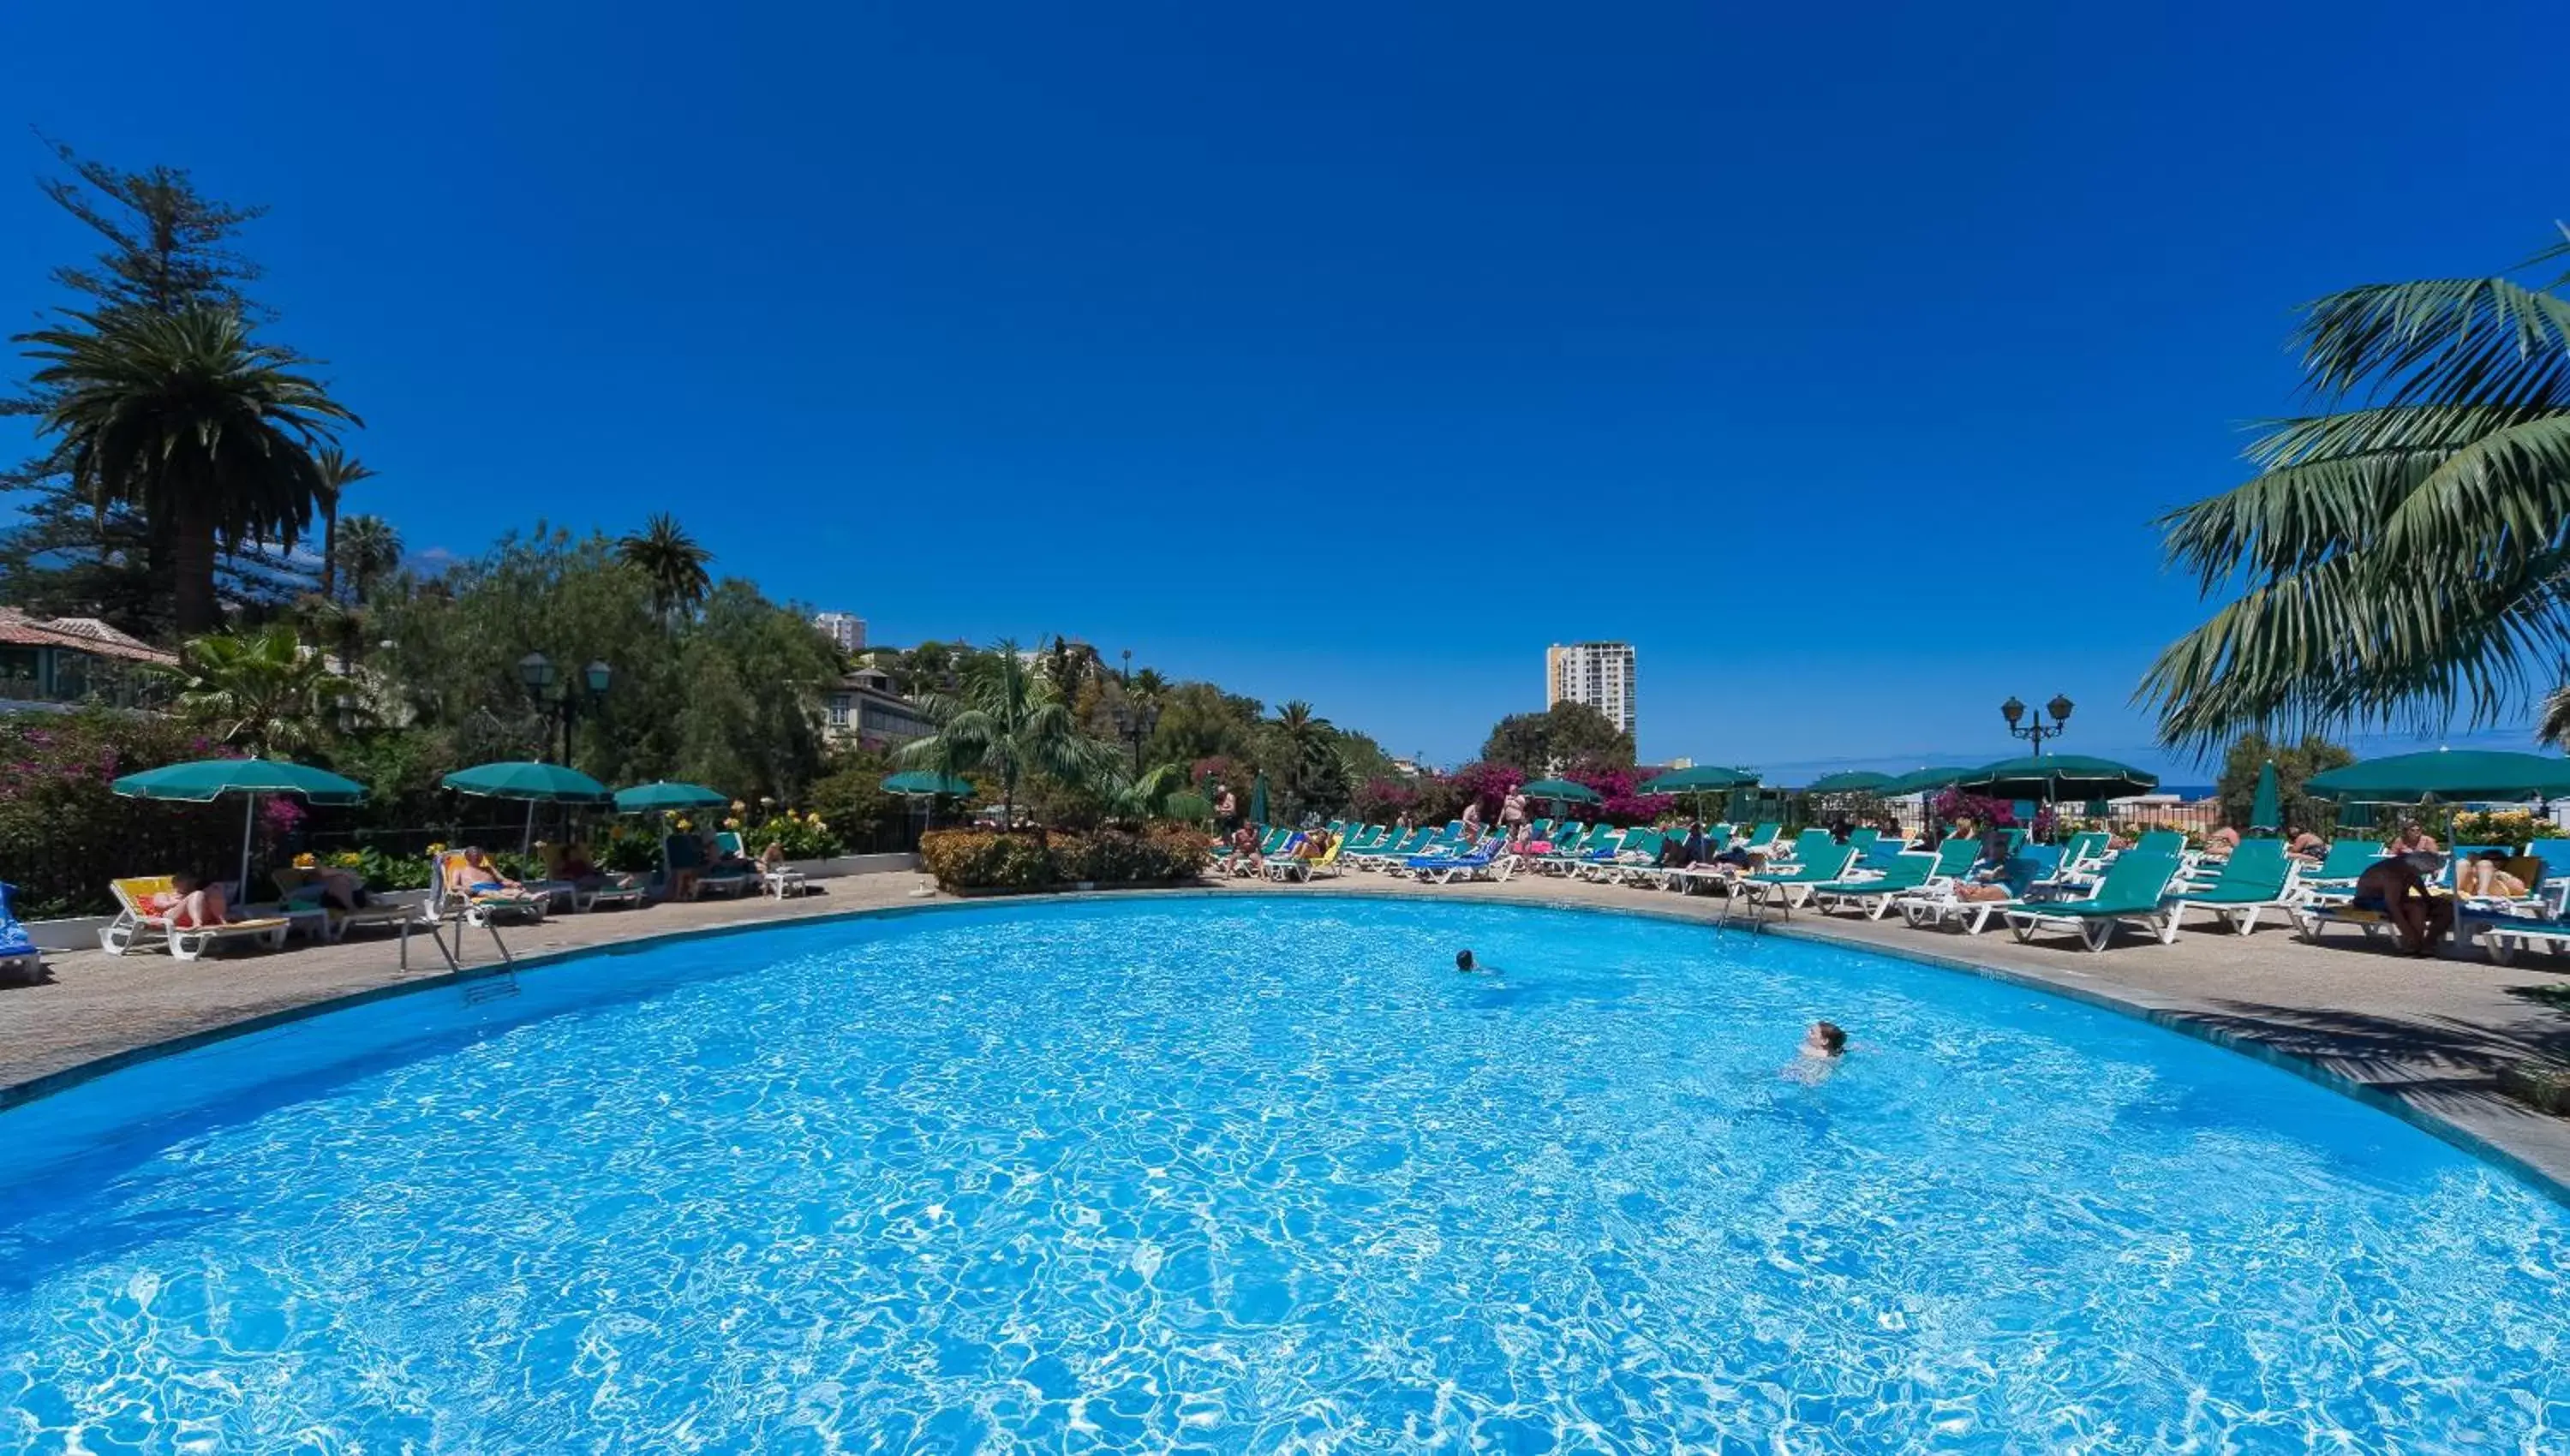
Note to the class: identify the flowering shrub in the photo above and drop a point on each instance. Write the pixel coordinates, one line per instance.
(64, 834)
(2516, 828)
(1952, 805)
(806, 837)
(974, 859)
(1380, 801)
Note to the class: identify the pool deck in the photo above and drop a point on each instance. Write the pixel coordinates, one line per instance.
(2428, 1036)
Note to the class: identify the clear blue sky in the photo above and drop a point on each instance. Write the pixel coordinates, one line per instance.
(1349, 353)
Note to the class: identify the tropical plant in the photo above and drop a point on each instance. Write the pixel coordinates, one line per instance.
(1307, 761)
(188, 419)
(367, 551)
(340, 469)
(2552, 721)
(672, 562)
(1006, 721)
(259, 691)
(2407, 548)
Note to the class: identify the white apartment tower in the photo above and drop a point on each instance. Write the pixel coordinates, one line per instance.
(843, 627)
(1599, 674)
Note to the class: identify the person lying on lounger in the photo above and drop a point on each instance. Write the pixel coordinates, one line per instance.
(199, 903)
(2486, 877)
(1990, 875)
(2302, 844)
(471, 875)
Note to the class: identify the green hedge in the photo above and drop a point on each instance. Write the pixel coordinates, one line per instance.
(974, 859)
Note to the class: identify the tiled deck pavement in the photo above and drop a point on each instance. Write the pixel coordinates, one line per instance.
(2431, 1034)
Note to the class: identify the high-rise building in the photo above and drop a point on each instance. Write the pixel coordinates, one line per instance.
(843, 627)
(1599, 674)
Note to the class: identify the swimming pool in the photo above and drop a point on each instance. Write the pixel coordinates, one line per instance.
(1248, 1174)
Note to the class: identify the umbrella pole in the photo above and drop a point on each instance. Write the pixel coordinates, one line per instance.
(250, 817)
(527, 841)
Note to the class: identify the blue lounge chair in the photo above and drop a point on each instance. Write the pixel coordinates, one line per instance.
(18, 953)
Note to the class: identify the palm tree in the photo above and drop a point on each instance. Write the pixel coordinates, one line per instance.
(672, 562)
(1070, 666)
(2403, 547)
(1310, 748)
(259, 690)
(369, 549)
(186, 419)
(339, 471)
(1008, 720)
(2552, 722)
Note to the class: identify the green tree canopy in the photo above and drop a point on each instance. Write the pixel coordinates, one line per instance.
(193, 423)
(1537, 744)
(2295, 765)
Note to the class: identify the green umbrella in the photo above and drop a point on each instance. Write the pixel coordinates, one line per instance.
(1258, 800)
(2263, 812)
(1848, 783)
(662, 795)
(923, 784)
(1561, 791)
(536, 783)
(207, 780)
(1920, 781)
(2054, 776)
(1700, 779)
(2469, 776)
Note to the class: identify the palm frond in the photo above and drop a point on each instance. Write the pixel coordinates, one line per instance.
(2486, 340)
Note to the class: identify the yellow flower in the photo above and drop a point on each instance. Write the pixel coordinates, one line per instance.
(738, 806)
(818, 824)
(814, 818)
(351, 859)
(437, 849)
(305, 862)
(731, 824)
(685, 826)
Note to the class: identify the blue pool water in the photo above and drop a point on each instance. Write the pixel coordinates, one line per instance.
(1256, 1174)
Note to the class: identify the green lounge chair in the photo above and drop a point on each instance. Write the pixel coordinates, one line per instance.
(1621, 865)
(2340, 867)
(1815, 865)
(2258, 877)
(1912, 870)
(2131, 894)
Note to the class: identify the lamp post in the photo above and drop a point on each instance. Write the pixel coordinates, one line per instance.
(563, 700)
(2038, 730)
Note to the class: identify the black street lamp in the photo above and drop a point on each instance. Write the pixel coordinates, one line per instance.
(2038, 730)
(563, 701)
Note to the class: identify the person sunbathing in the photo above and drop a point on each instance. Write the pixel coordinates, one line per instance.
(1245, 858)
(1996, 875)
(2486, 877)
(2222, 841)
(199, 903)
(2304, 845)
(2414, 841)
(472, 876)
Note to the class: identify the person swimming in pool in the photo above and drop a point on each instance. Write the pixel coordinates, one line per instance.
(1465, 962)
(1823, 1046)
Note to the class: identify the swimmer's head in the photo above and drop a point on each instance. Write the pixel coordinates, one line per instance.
(1463, 961)
(1828, 1037)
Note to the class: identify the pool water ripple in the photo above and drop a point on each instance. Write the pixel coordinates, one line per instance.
(1269, 1175)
